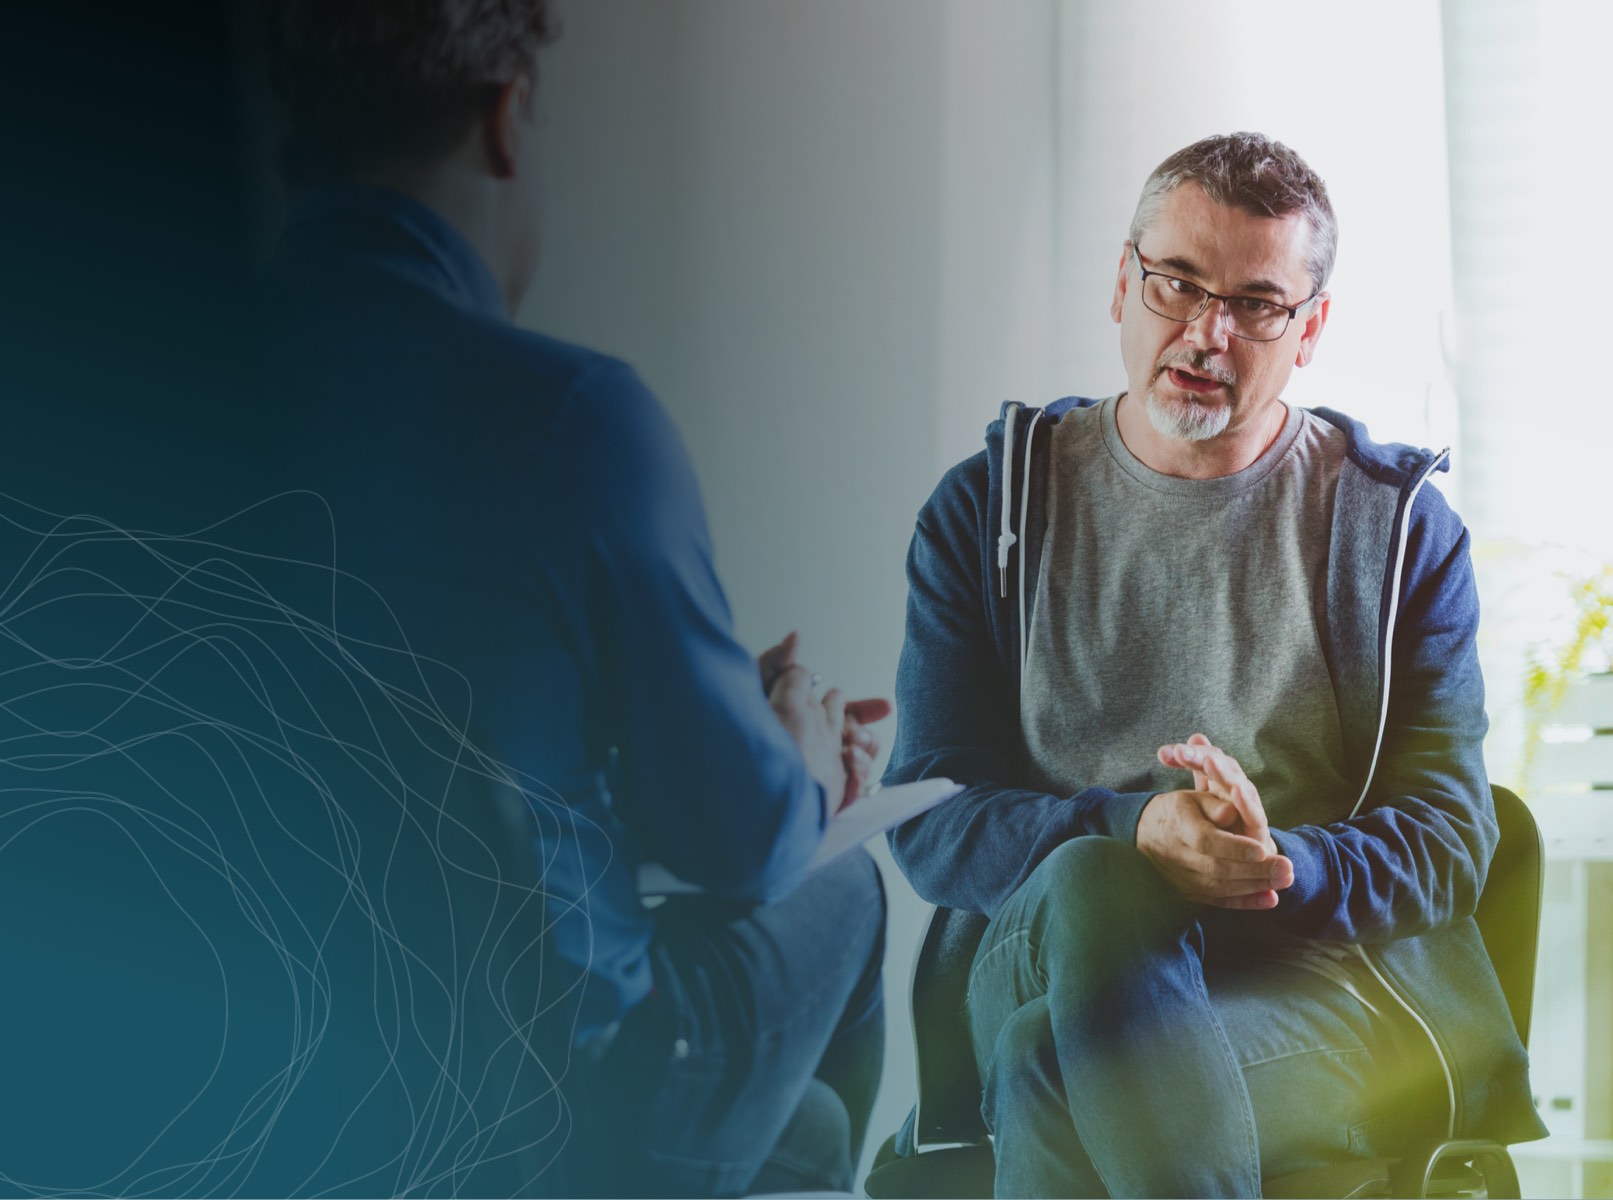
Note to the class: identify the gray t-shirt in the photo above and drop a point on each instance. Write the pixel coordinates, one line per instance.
(1166, 607)
(1169, 606)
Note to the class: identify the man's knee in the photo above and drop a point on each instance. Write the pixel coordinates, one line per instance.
(1101, 872)
(833, 923)
(1095, 894)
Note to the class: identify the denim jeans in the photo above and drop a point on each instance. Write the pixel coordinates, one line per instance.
(751, 1006)
(1130, 1044)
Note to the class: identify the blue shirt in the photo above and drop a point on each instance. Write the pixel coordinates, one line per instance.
(522, 516)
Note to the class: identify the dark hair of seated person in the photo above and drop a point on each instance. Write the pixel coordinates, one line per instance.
(364, 84)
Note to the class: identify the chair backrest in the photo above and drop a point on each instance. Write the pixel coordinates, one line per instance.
(1508, 913)
(948, 1107)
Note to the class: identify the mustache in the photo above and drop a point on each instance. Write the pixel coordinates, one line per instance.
(1198, 364)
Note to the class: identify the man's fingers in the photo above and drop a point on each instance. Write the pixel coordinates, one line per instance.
(834, 707)
(1198, 755)
(1200, 780)
(1188, 753)
(1202, 847)
(1257, 900)
(1282, 872)
(1222, 817)
(857, 735)
(1227, 779)
(857, 759)
(1224, 877)
(792, 689)
(1220, 845)
(1172, 754)
(773, 661)
(1187, 756)
(1200, 831)
(1220, 856)
(1206, 863)
(1225, 770)
(1205, 883)
(1222, 813)
(1254, 815)
(794, 680)
(1220, 876)
(875, 708)
(859, 769)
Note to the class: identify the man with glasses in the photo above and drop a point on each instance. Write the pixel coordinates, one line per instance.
(1206, 663)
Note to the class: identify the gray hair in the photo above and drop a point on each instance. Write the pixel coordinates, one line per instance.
(1257, 174)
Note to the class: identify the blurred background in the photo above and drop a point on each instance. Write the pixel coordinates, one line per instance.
(835, 235)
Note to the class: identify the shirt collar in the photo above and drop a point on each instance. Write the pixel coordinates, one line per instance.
(403, 235)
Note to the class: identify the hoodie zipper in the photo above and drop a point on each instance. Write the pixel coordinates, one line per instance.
(1007, 538)
(1024, 515)
(1383, 721)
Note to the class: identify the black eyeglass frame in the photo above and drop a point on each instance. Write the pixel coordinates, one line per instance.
(1291, 310)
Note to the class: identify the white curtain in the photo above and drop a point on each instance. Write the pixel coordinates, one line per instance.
(1529, 132)
(1529, 111)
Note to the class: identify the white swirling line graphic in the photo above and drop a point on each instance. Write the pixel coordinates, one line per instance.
(211, 599)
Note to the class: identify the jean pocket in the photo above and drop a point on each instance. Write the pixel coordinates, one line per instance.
(1378, 1138)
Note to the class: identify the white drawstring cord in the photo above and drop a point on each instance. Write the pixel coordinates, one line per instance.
(1006, 538)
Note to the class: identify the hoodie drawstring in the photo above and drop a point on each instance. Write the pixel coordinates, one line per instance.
(1006, 538)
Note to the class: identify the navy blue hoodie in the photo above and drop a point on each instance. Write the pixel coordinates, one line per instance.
(1398, 875)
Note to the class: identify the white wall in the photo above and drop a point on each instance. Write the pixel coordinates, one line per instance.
(743, 201)
(823, 234)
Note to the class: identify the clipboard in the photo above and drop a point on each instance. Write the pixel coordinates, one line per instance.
(869, 816)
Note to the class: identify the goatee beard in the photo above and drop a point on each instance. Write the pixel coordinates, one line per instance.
(1186, 420)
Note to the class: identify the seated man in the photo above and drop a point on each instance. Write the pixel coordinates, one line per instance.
(1206, 663)
(529, 518)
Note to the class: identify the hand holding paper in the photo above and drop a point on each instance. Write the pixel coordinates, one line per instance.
(859, 745)
(782, 678)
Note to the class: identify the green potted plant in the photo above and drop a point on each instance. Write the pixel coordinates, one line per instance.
(1587, 652)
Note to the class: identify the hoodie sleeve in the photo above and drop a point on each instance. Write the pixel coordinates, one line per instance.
(708, 778)
(1416, 854)
(958, 717)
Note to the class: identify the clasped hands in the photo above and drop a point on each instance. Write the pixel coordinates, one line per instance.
(832, 732)
(1212, 842)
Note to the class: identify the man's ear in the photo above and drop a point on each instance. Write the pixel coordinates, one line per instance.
(499, 133)
(1313, 329)
(1118, 300)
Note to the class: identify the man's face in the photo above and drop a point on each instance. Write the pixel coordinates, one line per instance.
(1197, 379)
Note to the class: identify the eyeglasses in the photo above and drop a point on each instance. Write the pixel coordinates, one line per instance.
(1248, 317)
